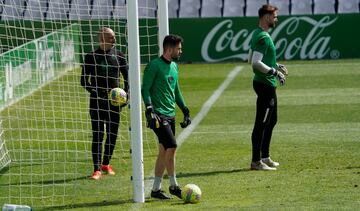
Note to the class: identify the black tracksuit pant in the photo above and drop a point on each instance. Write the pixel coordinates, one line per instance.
(103, 113)
(265, 120)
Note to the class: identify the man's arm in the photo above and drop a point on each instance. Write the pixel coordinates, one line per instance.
(148, 80)
(87, 73)
(124, 69)
(256, 63)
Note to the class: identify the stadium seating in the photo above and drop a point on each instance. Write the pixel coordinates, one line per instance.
(102, 9)
(211, 8)
(282, 5)
(301, 7)
(35, 9)
(173, 8)
(189, 9)
(80, 9)
(233, 8)
(147, 8)
(57, 10)
(12, 9)
(116, 9)
(252, 7)
(324, 6)
(348, 6)
(119, 9)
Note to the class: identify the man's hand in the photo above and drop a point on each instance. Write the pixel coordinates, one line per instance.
(281, 68)
(153, 120)
(187, 121)
(127, 100)
(280, 76)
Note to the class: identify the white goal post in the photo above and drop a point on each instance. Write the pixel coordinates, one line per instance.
(135, 100)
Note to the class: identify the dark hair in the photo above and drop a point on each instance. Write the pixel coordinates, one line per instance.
(267, 9)
(171, 41)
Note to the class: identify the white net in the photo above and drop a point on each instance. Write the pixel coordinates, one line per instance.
(46, 128)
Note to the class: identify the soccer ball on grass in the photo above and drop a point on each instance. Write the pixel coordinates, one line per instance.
(191, 193)
(117, 97)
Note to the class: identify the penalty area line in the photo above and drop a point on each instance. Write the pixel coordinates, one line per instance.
(200, 116)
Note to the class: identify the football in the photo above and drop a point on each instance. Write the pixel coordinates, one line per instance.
(117, 97)
(191, 193)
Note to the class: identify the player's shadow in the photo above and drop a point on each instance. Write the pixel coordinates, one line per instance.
(94, 205)
(211, 173)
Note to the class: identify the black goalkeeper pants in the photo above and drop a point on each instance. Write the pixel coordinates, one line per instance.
(103, 114)
(265, 120)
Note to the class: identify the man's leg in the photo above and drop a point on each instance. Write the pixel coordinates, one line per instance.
(112, 127)
(97, 126)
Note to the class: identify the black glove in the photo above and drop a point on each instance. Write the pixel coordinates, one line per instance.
(153, 120)
(187, 121)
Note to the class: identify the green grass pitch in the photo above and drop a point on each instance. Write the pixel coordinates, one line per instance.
(316, 142)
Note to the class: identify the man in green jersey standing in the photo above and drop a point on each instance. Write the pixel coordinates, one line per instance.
(267, 75)
(160, 91)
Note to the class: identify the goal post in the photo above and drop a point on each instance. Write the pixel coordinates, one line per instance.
(135, 83)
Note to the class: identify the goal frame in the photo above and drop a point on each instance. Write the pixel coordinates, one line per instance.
(135, 84)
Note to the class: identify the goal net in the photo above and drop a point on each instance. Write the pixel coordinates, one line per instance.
(46, 135)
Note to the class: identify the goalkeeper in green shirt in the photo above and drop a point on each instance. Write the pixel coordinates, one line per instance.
(160, 91)
(267, 74)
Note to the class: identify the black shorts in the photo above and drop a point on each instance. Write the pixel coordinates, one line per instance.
(166, 132)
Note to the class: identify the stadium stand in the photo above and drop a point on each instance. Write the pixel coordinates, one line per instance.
(173, 8)
(80, 9)
(189, 8)
(301, 7)
(211, 8)
(324, 6)
(147, 8)
(119, 9)
(348, 6)
(115, 9)
(35, 9)
(102, 9)
(12, 9)
(57, 10)
(252, 7)
(283, 5)
(233, 8)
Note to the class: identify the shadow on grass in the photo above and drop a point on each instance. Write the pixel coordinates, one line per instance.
(94, 205)
(201, 174)
(48, 182)
(4, 170)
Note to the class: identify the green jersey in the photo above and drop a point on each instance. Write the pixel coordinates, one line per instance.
(160, 86)
(262, 42)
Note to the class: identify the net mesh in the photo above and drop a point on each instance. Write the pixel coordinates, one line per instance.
(46, 130)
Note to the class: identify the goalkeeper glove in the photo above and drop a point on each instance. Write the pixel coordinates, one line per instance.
(280, 76)
(186, 121)
(281, 68)
(153, 120)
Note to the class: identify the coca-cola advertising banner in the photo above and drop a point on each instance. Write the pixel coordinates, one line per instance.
(295, 37)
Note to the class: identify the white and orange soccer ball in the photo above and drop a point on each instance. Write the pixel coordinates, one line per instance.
(191, 193)
(117, 97)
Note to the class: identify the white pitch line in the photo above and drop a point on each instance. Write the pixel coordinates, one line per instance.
(202, 113)
(207, 105)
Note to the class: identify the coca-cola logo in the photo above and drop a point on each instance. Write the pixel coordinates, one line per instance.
(310, 45)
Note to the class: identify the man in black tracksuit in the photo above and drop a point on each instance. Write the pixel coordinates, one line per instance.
(101, 73)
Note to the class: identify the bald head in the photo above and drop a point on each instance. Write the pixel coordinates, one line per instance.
(106, 38)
